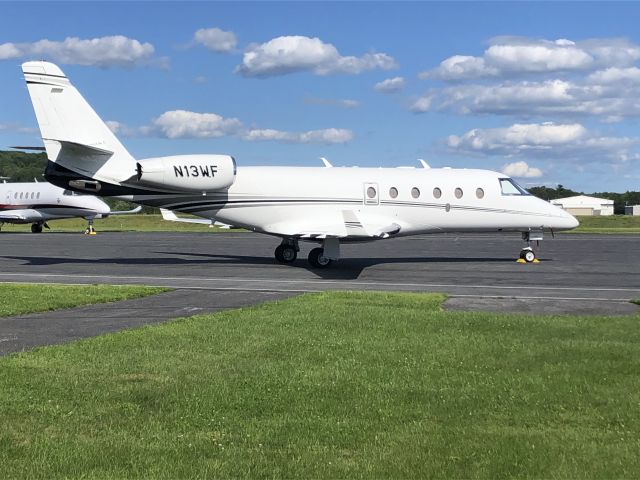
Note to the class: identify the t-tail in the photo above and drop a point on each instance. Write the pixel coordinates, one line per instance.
(79, 144)
(85, 155)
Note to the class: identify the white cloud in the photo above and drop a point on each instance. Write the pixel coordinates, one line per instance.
(326, 136)
(390, 85)
(570, 142)
(507, 56)
(108, 51)
(216, 40)
(340, 102)
(521, 170)
(14, 127)
(185, 124)
(290, 54)
(616, 97)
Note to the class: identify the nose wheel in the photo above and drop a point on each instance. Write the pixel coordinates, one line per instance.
(527, 255)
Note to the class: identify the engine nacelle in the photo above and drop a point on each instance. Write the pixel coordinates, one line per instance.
(192, 173)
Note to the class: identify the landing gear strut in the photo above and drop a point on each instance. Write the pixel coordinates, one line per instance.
(36, 228)
(317, 258)
(90, 230)
(527, 254)
(287, 251)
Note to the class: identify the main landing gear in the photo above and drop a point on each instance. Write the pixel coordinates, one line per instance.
(319, 257)
(527, 254)
(37, 227)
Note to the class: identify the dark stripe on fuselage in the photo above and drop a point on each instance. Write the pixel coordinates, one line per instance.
(42, 83)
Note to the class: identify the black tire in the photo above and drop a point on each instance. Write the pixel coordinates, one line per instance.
(317, 258)
(286, 254)
(528, 255)
(36, 228)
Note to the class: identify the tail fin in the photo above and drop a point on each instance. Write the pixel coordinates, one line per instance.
(74, 135)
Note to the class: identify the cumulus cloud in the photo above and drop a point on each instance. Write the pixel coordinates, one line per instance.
(521, 170)
(290, 54)
(326, 136)
(216, 40)
(185, 124)
(545, 140)
(508, 56)
(390, 85)
(609, 94)
(105, 52)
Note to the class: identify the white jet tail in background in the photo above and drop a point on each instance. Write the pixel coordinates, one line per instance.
(74, 135)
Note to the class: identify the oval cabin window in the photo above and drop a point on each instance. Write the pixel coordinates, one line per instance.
(393, 192)
(479, 193)
(371, 192)
(437, 193)
(415, 193)
(458, 192)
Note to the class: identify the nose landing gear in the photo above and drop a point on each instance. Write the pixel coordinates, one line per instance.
(527, 254)
(90, 230)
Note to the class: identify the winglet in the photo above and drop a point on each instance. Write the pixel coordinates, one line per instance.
(423, 163)
(326, 162)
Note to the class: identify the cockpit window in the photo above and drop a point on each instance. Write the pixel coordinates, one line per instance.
(68, 192)
(510, 187)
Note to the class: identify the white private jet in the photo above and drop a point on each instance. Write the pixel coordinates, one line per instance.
(39, 202)
(324, 205)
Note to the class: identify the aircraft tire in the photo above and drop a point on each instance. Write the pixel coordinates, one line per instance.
(317, 258)
(36, 228)
(285, 254)
(529, 256)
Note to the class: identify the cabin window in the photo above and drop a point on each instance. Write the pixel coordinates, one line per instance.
(15, 195)
(415, 192)
(458, 192)
(510, 187)
(38, 195)
(33, 195)
(479, 193)
(393, 192)
(437, 193)
(371, 192)
(21, 195)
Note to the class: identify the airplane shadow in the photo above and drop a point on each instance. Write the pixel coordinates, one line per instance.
(346, 269)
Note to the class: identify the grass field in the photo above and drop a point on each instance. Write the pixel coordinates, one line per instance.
(19, 298)
(122, 223)
(154, 223)
(609, 224)
(331, 385)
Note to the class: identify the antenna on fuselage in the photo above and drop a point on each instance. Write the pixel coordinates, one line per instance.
(423, 163)
(326, 162)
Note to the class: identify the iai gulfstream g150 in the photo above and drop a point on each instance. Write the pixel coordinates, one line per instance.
(39, 202)
(327, 206)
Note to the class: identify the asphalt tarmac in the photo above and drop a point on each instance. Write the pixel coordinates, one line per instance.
(582, 274)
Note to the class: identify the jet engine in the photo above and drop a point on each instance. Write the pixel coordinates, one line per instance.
(190, 173)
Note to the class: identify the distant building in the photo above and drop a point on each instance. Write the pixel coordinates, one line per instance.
(632, 210)
(584, 205)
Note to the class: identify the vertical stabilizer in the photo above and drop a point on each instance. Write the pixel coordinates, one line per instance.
(74, 135)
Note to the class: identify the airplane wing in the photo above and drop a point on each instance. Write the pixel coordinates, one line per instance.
(347, 225)
(126, 212)
(19, 216)
(170, 216)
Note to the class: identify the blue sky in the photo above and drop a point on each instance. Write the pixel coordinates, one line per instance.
(546, 92)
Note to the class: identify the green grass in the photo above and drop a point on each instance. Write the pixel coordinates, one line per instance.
(331, 385)
(122, 223)
(609, 224)
(19, 298)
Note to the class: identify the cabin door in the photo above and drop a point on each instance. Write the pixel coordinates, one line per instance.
(371, 194)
